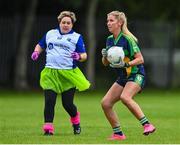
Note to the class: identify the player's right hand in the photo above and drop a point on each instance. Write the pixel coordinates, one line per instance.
(104, 52)
(35, 55)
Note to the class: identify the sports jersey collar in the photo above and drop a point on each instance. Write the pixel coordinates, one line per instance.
(117, 39)
(70, 32)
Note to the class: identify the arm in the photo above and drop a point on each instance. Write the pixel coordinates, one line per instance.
(79, 56)
(38, 48)
(80, 53)
(104, 57)
(37, 51)
(138, 59)
(105, 61)
(83, 57)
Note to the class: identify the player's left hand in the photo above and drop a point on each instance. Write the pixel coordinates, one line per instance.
(121, 64)
(116, 65)
(76, 56)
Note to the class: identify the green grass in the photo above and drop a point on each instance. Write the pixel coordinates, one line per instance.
(21, 119)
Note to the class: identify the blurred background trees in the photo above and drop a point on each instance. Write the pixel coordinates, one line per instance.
(23, 23)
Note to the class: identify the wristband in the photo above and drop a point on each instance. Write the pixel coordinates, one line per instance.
(126, 64)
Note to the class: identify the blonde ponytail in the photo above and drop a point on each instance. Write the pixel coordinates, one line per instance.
(121, 16)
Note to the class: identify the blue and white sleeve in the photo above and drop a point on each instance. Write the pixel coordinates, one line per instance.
(42, 42)
(80, 46)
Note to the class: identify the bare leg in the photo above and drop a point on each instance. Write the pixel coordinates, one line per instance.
(111, 97)
(129, 91)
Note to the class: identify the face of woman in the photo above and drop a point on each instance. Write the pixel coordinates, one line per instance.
(66, 25)
(113, 24)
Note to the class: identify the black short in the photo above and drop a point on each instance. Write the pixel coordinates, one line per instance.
(137, 78)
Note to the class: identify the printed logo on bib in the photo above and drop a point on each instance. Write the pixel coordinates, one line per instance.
(50, 46)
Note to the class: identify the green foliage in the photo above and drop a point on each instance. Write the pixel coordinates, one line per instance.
(21, 119)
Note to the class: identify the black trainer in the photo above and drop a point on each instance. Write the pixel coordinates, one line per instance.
(76, 128)
(47, 133)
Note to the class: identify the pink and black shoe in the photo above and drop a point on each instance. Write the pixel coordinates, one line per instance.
(117, 137)
(148, 128)
(48, 129)
(75, 121)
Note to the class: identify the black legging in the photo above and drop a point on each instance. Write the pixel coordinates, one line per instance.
(67, 101)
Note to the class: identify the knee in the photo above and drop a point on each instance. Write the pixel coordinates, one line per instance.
(105, 104)
(126, 100)
(67, 106)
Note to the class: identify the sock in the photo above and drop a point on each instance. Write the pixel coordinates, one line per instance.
(117, 130)
(76, 126)
(144, 121)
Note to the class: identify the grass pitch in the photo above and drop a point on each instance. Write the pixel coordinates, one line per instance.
(21, 119)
